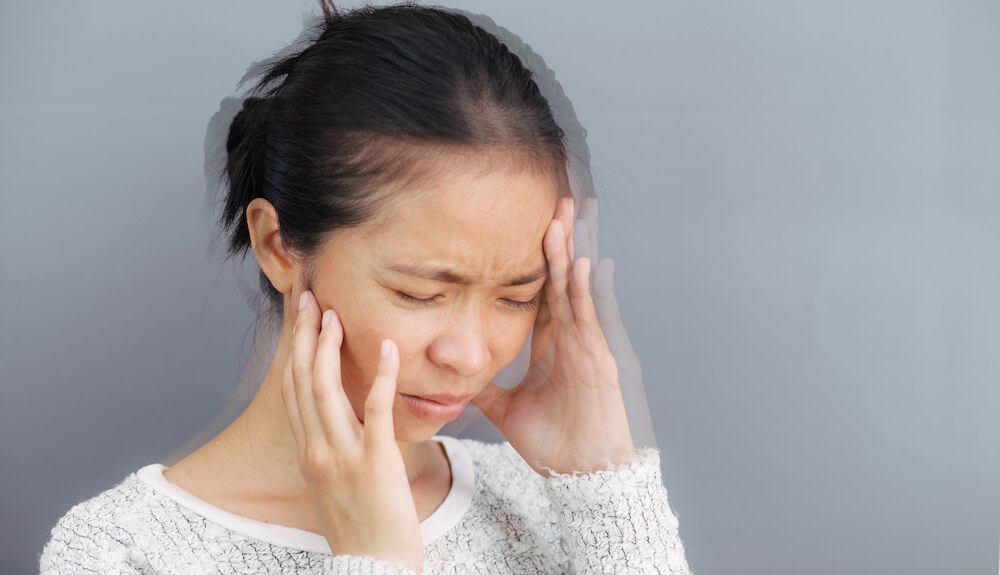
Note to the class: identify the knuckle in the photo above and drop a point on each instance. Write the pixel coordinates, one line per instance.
(315, 461)
(319, 461)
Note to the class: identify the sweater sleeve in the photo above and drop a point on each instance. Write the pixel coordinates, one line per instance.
(619, 521)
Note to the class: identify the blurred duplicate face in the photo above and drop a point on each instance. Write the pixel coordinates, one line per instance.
(452, 270)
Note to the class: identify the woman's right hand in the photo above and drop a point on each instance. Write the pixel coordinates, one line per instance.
(354, 470)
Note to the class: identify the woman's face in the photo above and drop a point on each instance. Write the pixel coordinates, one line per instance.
(451, 270)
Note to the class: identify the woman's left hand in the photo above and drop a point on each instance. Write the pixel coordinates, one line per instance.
(567, 414)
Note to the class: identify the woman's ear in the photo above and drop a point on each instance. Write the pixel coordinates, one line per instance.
(265, 239)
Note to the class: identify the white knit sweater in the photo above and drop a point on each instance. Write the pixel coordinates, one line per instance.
(500, 517)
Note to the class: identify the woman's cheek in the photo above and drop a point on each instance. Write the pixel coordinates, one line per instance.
(510, 337)
(359, 357)
(409, 330)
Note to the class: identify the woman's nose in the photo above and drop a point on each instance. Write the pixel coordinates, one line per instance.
(462, 346)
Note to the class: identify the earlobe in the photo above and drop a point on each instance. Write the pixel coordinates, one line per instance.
(268, 248)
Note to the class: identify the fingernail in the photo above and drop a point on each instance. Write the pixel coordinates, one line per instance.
(327, 316)
(303, 301)
(386, 348)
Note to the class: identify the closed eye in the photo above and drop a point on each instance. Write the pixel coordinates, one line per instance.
(511, 303)
(522, 305)
(419, 301)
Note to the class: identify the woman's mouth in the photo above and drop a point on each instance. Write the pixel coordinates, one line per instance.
(440, 409)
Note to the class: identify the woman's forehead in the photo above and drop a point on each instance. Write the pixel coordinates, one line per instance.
(485, 194)
(469, 223)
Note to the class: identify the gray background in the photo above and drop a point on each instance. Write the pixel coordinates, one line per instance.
(803, 199)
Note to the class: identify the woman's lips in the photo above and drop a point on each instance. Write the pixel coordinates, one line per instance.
(439, 409)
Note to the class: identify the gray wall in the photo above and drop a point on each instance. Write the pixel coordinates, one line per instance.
(804, 201)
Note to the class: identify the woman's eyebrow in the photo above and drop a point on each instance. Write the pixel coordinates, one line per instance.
(531, 277)
(441, 274)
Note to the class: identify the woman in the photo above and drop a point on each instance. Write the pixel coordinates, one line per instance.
(402, 185)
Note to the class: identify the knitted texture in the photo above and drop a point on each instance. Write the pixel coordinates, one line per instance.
(623, 511)
(616, 521)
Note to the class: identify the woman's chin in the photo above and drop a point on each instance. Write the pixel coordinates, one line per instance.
(415, 435)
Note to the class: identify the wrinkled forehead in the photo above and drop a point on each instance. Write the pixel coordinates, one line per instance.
(480, 215)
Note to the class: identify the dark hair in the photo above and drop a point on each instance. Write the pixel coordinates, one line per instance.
(332, 130)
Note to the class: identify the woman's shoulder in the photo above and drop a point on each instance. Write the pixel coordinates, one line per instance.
(99, 526)
(110, 529)
(115, 506)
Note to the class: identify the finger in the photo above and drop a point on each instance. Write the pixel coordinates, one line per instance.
(581, 240)
(584, 313)
(585, 231)
(379, 428)
(605, 303)
(544, 315)
(555, 290)
(303, 354)
(564, 215)
(334, 408)
(542, 336)
(591, 218)
(291, 404)
(579, 294)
